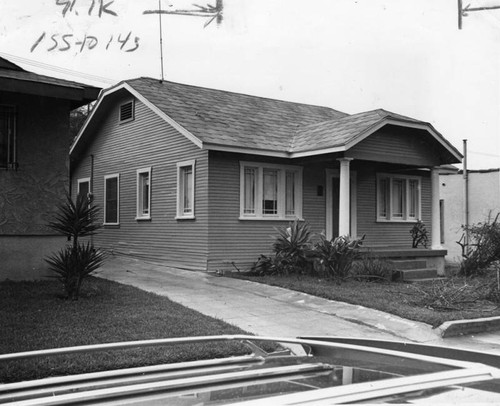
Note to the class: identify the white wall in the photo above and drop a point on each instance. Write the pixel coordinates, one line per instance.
(484, 198)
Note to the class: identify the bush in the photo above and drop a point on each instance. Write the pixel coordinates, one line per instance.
(76, 262)
(336, 256)
(372, 268)
(293, 249)
(419, 235)
(483, 248)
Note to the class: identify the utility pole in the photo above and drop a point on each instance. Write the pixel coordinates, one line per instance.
(466, 198)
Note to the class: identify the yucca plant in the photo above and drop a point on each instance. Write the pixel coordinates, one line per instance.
(293, 248)
(77, 261)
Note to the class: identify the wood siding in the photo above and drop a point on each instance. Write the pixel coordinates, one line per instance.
(404, 146)
(387, 234)
(147, 141)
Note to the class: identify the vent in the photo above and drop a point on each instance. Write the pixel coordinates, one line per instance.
(127, 111)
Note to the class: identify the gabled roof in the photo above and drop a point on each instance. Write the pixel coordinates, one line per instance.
(15, 79)
(221, 120)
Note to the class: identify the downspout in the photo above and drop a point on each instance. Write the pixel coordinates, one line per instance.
(91, 190)
(466, 190)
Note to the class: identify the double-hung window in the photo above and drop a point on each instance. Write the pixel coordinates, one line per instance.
(185, 189)
(144, 194)
(398, 197)
(8, 158)
(270, 191)
(112, 199)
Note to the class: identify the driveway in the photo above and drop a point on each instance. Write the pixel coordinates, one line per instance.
(273, 311)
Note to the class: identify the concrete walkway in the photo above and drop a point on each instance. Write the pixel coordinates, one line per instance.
(273, 311)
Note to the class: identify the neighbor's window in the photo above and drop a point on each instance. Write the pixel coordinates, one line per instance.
(84, 187)
(398, 197)
(270, 191)
(111, 199)
(144, 193)
(127, 111)
(185, 189)
(8, 158)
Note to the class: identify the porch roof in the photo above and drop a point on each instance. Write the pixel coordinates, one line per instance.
(227, 121)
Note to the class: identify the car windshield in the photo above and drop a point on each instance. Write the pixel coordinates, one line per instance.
(289, 369)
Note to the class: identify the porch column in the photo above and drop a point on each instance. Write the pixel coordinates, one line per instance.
(344, 196)
(435, 222)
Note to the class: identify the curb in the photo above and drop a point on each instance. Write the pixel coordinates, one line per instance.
(472, 326)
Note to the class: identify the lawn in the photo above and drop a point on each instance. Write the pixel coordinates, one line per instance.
(33, 316)
(432, 302)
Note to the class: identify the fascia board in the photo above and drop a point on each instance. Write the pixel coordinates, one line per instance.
(243, 150)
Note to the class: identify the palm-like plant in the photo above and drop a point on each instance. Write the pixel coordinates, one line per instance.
(74, 263)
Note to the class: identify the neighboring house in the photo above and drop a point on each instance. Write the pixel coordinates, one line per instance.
(484, 200)
(198, 178)
(34, 170)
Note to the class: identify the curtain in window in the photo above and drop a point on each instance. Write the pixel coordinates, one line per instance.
(383, 197)
(289, 193)
(413, 199)
(249, 190)
(398, 191)
(270, 191)
(187, 189)
(144, 190)
(7, 136)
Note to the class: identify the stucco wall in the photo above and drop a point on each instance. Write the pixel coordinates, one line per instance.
(484, 198)
(30, 194)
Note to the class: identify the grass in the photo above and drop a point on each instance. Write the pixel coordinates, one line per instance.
(34, 316)
(420, 302)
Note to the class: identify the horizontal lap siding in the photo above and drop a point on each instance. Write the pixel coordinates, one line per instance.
(403, 146)
(242, 241)
(386, 234)
(149, 142)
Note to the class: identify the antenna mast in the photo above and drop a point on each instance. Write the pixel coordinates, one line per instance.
(161, 41)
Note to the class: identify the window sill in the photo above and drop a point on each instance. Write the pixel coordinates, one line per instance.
(111, 225)
(244, 218)
(148, 218)
(187, 217)
(396, 221)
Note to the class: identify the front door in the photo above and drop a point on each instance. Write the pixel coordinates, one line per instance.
(332, 203)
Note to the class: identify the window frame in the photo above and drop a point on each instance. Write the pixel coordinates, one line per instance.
(106, 177)
(389, 197)
(181, 209)
(140, 215)
(258, 192)
(132, 108)
(79, 182)
(11, 162)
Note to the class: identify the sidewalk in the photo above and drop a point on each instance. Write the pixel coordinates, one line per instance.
(273, 311)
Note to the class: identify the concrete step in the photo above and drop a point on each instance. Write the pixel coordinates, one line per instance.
(413, 274)
(402, 264)
(439, 278)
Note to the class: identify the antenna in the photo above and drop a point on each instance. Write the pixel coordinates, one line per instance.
(161, 42)
(463, 11)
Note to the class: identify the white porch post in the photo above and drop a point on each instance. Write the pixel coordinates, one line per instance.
(436, 224)
(344, 196)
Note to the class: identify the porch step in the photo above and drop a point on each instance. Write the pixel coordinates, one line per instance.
(403, 264)
(439, 278)
(417, 274)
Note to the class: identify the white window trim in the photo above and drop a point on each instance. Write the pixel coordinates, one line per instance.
(117, 176)
(389, 217)
(180, 204)
(139, 215)
(120, 109)
(80, 181)
(260, 166)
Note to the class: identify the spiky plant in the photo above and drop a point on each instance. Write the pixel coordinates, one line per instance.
(77, 261)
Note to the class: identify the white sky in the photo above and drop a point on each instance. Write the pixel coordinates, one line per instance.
(406, 56)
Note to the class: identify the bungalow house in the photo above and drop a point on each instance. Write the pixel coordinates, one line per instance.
(34, 170)
(197, 178)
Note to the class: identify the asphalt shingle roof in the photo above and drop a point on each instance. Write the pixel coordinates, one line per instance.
(232, 119)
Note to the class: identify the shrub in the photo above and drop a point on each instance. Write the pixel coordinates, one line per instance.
(336, 256)
(483, 248)
(77, 261)
(372, 268)
(419, 235)
(293, 249)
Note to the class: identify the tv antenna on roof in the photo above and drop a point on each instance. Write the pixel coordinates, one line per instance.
(213, 12)
(463, 11)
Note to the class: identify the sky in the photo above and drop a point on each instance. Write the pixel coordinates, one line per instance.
(405, 56)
